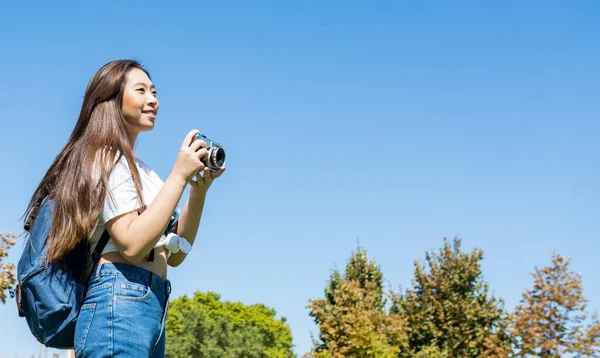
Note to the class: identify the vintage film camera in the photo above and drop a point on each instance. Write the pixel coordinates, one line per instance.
(216, 154)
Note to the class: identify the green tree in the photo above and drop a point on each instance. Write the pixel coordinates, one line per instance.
(203, 326)
(351, 317)
(449, 311)
(550, 320)
(7, 271)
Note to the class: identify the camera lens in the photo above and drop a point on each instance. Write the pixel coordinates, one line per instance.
(216, 157)
(219, 157)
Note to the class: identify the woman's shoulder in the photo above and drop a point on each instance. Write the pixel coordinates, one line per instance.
(120, 160)
(142, 164)
(147, 169)
(121, 170)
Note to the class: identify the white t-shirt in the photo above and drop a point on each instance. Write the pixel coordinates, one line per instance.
(122, 186)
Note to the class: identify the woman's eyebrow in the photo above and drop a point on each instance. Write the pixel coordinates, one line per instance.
(142, 84)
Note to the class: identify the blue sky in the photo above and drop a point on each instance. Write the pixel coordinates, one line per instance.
(392, 123)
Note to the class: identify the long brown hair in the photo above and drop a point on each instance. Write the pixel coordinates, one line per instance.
(78, 192)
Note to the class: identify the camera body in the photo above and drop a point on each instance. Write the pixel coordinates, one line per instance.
(216, 154)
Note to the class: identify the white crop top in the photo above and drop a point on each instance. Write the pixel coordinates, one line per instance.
(122, 187)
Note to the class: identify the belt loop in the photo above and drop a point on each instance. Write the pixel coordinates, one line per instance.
(96, 271)
(151, 279)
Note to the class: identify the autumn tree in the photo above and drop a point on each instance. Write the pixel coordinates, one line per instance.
(7, 271)
(352, 319)
(551, 319)
(206, 327)
(449, 310)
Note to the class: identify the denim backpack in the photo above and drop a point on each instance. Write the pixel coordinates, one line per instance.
(50, 296)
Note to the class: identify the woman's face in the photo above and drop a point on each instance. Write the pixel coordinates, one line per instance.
(140, 105)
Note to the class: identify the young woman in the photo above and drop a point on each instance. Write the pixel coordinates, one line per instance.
(99, 185)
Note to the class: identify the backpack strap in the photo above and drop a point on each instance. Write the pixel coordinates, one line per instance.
(100, 246)
(94, 258)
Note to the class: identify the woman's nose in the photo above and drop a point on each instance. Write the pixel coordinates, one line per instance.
(152, 100)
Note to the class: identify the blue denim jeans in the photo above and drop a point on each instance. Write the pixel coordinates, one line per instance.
(123, 313)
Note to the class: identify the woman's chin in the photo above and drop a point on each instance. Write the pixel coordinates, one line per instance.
(147, 126)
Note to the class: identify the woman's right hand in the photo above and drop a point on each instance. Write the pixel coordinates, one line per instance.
(190, 158)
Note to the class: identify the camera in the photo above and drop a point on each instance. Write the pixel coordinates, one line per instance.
(216, 154)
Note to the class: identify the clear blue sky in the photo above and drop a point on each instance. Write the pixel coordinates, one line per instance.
(392, 123)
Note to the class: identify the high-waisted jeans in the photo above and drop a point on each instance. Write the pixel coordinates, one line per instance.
(123, 313)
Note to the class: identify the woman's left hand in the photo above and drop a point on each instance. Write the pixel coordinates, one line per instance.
(204, 180)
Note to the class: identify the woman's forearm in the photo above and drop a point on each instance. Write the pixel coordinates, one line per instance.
(191, 216)
(145, 231)
(189, 221)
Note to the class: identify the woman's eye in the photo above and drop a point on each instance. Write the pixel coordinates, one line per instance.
(140, 90)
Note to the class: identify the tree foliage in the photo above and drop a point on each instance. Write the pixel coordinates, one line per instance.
(7, 271)
(205, 327)
(351, 317)
(449, 310)
(551, 318)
